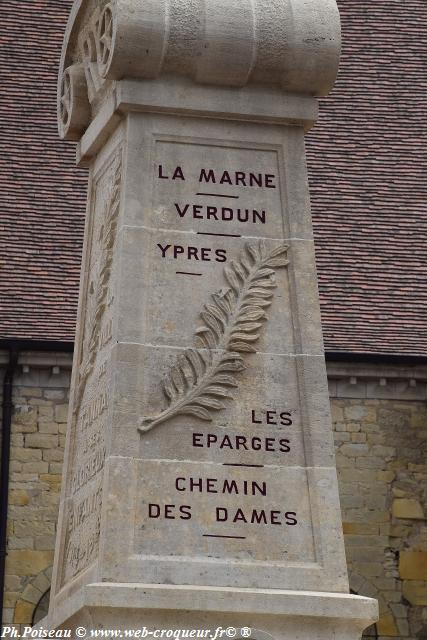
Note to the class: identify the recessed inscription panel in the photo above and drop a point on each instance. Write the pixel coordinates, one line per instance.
(91, 399)
(217, 511)
(217, 189)
(222, 449)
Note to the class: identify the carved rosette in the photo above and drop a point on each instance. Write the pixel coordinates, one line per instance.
(294, 45)
(73, 107)
(105, 39)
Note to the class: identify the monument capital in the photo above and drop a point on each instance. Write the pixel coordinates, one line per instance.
(292, 46)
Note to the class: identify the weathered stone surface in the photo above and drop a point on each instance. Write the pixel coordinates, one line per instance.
(29, 562)
(413, 565)
(386, 626)
(407, 508)
(415, 594)
(23, 612)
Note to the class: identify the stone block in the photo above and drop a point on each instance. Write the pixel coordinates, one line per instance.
(18, 497)
(386, 626)
(413, 565)
(341, 436)
(45, 412)
(48, 427)
(370, 462)
(41, 582)
(25, 455)
(355, 413)
(8, 615)
(53, 480)
(354, 450)
(358, 438)
(407, 508)
(32, 594)
(17, 440)
(403, 626)
(53, 455)
(23, 612)
(12, 583)
(39, 402)
(55, 468)
(41, 441)
(35, 467)
(386, 476)
(44, 543)
(337, 413)
(32, 392)
(37, 527)
(24, 415)
(369, 568)
(14, 542)
(61, 412)
(358, 528)
(28, 562)
(54, 394)
(414, 593)
(383, 451)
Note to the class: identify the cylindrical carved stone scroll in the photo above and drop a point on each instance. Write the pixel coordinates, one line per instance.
(133, 38)
(73, 108)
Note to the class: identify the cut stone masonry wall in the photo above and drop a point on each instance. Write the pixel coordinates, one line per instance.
(380, 427)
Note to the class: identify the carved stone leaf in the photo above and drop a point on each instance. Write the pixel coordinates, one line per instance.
(212, 323)
(210, 403)
(233, 320)
(196, 362)
(232, 279)
(236, 335)
(243, 346)
(169, 388)
(248, 326)
(276, 263)
(251, 314)
(227, 381)
(218, 391)
(199, 412)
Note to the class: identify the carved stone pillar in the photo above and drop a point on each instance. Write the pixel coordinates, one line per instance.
(199, 485)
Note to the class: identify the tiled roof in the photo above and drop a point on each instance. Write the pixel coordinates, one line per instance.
(42, 194)
(367, 160)
(366, 174)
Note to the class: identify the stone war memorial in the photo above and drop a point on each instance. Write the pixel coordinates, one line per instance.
(199, 486)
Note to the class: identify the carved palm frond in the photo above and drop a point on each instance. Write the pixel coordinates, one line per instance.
(203, 378)
(98, 288)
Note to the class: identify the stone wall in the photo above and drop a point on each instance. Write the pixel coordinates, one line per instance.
(37, 448)
(380, 428)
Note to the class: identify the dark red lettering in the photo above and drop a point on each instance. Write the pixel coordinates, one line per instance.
(286, 418)
(164, 249)
(221, 255)
(196, 439)
(178, 174)
(291, 518)
(221, 514)
(284, 445)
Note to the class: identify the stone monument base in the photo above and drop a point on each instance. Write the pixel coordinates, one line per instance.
(284, 615)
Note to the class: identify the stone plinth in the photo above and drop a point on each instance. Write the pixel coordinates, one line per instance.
(199, 484)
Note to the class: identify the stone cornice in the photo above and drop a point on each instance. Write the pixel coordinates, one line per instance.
(290, 45)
